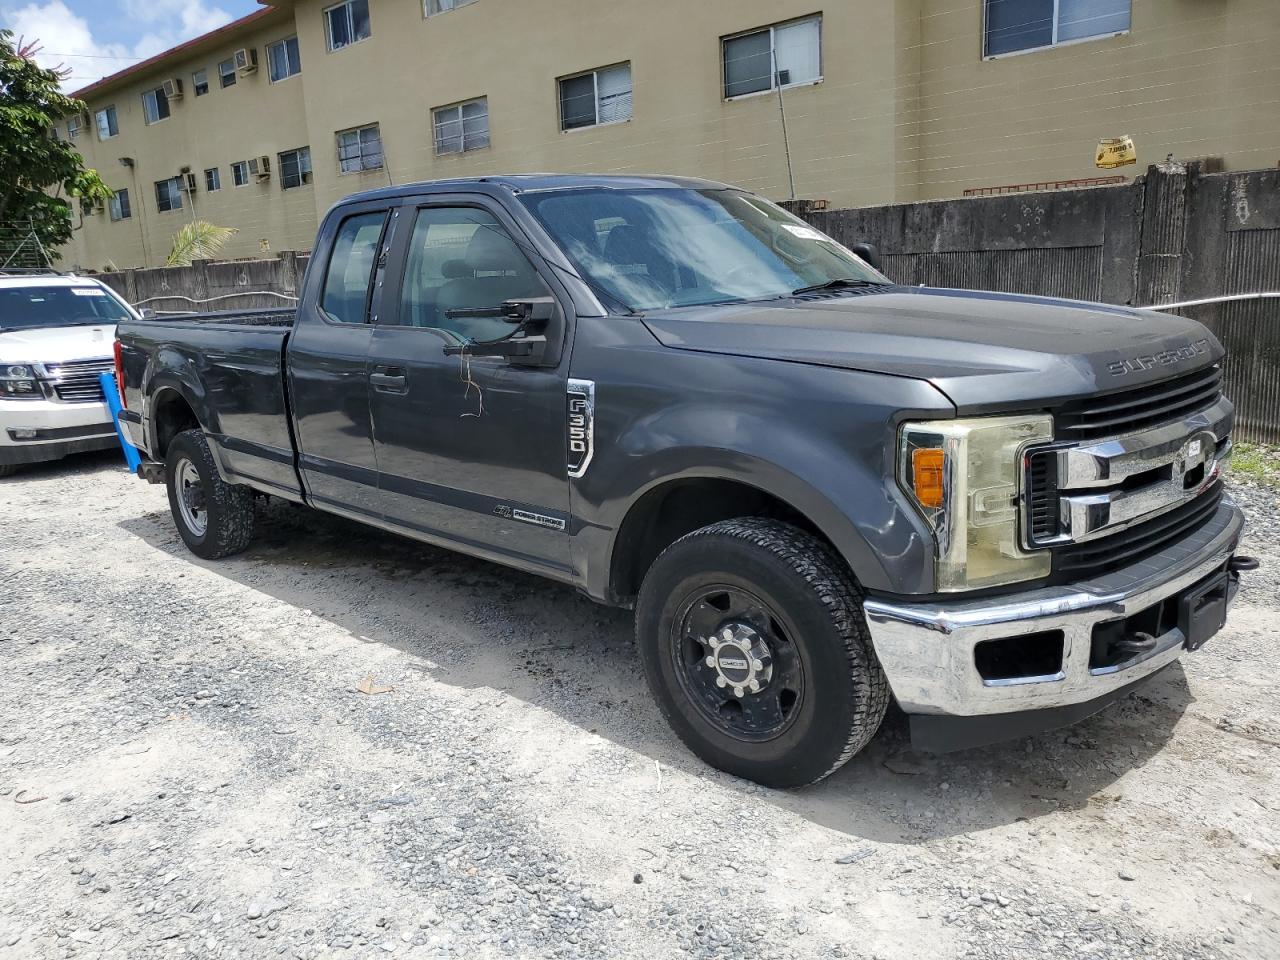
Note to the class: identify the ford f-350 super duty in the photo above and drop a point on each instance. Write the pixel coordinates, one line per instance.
(816, 488)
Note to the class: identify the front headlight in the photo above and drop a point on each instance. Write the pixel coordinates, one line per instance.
(18, 382)
(965, 476)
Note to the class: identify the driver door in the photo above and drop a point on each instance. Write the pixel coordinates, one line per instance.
(471, 450)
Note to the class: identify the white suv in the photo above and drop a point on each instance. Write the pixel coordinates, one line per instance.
(57, 333)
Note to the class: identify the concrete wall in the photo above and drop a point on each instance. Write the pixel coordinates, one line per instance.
(907, 108)
(213, 285)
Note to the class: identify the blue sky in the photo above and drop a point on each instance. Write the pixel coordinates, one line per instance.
(96, 37)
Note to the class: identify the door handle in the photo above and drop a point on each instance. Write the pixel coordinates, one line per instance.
(389, 380)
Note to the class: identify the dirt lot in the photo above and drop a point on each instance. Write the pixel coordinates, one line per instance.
(188, 767)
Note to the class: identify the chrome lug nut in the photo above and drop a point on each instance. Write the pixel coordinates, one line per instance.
(754, 686)
(721, 682)
(711, 661)
(737, 691)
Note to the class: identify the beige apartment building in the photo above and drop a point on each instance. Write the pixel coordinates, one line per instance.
(264, 123)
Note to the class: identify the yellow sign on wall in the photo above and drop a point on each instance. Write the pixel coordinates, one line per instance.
(1116, 152)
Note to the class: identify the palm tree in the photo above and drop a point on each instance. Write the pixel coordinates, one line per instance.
(197, 240)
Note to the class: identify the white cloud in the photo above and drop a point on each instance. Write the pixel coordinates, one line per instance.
(67, 39)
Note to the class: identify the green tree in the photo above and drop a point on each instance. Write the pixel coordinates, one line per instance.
(197, 240)
(39, 174)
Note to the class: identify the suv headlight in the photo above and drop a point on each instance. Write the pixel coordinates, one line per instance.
(18, 382)
(966, 477)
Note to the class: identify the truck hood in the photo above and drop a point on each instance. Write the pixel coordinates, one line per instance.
(57, 344)
(985, 351)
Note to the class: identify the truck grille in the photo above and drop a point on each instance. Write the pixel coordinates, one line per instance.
(76, 381)
(1127, 474)
(1042, 496)
(1116, 414)
(1082, 560)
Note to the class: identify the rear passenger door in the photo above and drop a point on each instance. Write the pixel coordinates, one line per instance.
(471, 450)
(328, 358)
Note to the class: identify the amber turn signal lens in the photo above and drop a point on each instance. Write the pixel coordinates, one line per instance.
(926, 476)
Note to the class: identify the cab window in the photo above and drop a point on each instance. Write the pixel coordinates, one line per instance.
(462, 258)
(346, 284)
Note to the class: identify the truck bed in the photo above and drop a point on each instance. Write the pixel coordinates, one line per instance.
(262, 317)
(228, 367)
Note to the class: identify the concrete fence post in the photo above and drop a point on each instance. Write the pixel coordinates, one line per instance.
(1162, 236)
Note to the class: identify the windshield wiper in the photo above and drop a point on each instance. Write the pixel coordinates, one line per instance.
(835, 284)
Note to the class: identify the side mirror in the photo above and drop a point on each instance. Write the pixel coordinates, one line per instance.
(868, 252)
(526, 345)
(146, 313)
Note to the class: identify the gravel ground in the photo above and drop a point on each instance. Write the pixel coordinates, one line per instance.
(342, 744)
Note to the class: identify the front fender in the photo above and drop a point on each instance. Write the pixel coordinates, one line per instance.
(821, 440)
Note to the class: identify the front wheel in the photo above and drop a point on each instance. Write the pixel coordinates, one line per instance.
(213, 517)
(753, 641)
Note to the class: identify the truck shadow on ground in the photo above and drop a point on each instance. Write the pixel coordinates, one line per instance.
(476, 625)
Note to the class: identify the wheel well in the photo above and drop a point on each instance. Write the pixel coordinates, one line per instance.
(664, 515)
(172, 415)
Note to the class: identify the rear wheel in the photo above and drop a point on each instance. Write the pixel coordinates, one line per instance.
(8, 469)
(753, 641)
(213, 517)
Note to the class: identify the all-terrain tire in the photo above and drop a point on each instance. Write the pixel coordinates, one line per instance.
(8, 469)
(228, 508)
(845, 691)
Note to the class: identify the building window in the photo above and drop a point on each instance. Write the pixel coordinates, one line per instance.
(282, 59)
(783, 55)
(119, 206)
(360, 149)
(432, 7)
(240, 173)
(155, 106)
(1015, 25)
(212, 179)
(227, 73)
(200, 82)
(106, 122)
(169, 194)
(347, 23)
(73, 127)
(601, 96)
(462, 127)
(295, 168)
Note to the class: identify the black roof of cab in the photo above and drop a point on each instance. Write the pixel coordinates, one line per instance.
(532, 182)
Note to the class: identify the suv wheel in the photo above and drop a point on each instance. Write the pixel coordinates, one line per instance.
(213, 517)
(753, 641)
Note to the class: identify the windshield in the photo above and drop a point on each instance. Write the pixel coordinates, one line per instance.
(656, 248)
(25, 307)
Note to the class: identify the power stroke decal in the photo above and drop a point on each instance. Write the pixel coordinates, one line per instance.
(582, 425)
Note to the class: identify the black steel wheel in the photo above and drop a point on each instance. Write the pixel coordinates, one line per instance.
(753, 641)
(736, 662)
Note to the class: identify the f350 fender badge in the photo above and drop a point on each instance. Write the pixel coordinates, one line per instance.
(1165, 358)
(581, 412)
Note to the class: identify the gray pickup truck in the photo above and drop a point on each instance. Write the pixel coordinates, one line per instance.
(816, 488)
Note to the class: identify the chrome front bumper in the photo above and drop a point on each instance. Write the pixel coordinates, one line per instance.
(927, 649)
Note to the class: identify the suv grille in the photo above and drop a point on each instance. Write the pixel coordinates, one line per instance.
(1081, 560)
(77, 380)
(1115, 414)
